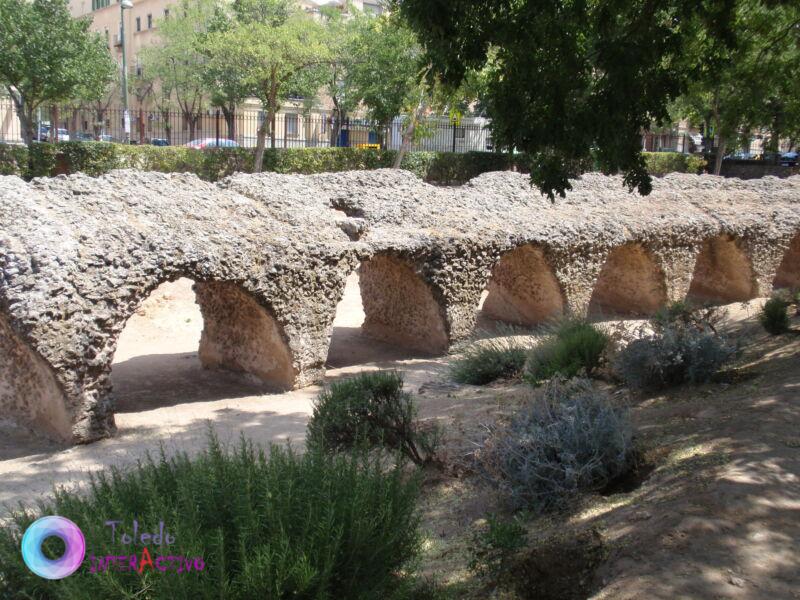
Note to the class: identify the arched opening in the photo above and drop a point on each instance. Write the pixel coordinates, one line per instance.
(399, 307)
(523, 289)
(198, 342)
(788, 275)
(29, 391)
(631, 283)
(722, 273)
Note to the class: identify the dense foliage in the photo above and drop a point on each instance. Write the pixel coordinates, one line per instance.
(488, 360)
(46, 56)
(273, 525)
(371, 409)
(751, 85)
(567, 80)
(95, 158)
(680, 345)
(574, 347)
(571, 439)
(774, 315)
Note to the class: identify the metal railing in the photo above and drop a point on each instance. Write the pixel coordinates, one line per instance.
(290, 130)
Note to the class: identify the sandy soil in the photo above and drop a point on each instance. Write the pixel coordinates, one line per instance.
(164, 396)
(719, 517)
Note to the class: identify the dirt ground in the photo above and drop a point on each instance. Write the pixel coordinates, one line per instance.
(718, 517)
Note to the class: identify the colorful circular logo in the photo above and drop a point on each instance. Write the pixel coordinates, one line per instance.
(38, 532)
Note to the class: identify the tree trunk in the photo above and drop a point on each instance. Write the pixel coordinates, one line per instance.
(230, 120)
(191, 119)
(272, 116)
(261, 142)
(54, 124)
(25, 115)
(721, 145)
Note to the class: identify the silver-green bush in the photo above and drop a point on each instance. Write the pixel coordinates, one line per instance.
(571, 439)
(679, 349)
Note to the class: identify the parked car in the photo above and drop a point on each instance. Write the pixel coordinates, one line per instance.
(789, 159)
(204, 143)
(106, 138)
(84, 137)
(159, 142)
(43, 134)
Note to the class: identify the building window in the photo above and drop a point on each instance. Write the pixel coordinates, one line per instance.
(166, 13)
(291, 124)
(149, 21)
(138, 23)
(98, 4)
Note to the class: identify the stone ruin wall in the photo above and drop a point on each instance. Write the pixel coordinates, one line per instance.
(270, 255)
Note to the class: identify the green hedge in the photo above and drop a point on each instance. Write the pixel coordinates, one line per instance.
(446, 168)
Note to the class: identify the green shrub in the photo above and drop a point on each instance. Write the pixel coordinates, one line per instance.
(774, 315)
(572, 439)
(574, 346)
(13, 160)
(42, 160)
(661, 163)
(370, 409)
(682, 346)
(488, 360)
(274, 525)
(494, 547)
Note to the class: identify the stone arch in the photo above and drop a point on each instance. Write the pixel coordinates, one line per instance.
(723, 273)
(523, 289)
(630, 283)
(400, 307)
(29, 390)
(239, 332)
(788, 275)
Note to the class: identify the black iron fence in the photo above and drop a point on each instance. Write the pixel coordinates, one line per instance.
(214, 128)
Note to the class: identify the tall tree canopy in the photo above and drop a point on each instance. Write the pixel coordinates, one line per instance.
(571, 80)
(47, 56)
(273, 47)
(754, 83)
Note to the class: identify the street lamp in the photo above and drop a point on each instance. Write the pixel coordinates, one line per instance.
(126, 118)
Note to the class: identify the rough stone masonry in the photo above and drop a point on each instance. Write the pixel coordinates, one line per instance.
(269, 255)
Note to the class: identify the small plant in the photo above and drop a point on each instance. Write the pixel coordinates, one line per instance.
(774, 316)
(265, 524)
(488, 360)
(493, 548)
(371, 409)
(572, 439)
(680, 346)
(574, 347)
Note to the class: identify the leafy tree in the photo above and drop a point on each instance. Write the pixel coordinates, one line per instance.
(385, 68)
(754, 84)
(177, 62)
(49, 57)
(273, 54)
(570, 81)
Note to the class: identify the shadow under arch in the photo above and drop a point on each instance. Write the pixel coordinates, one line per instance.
(166, 366)
(29, 389)
(723, 273)
(523, 290)
(788, 274)
(400, 307)
(631, 283)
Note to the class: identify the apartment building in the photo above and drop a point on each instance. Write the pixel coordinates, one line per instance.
(141, 31)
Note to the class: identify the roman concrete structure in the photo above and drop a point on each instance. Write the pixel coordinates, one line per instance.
(269, 255)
